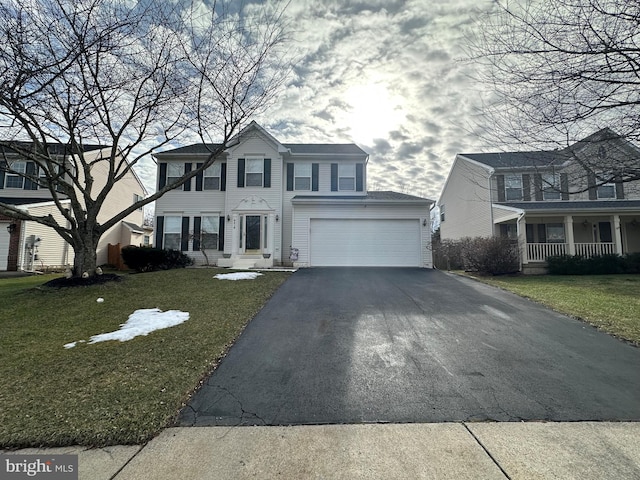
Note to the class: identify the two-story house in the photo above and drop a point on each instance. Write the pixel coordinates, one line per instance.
(27, 245)
(264, 203)
(550, 201)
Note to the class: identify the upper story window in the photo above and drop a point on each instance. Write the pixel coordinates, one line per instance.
(607, 191)
(211, 177)
(13, 180)
(513, 187)
(551, 187)
(254, 172)
(174, 172)
(346, 177)
(136, 199)
(302, 176)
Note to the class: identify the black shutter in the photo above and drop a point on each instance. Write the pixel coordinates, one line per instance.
(537, 186)
(501, 196)
(591, 185)
(221, 234)
(184, 239)
(359, 177)
(315, 168)
(526, 187)
(187, 185)
(289, 177)
(564, 186)
(619, 189)
(159, 228)
(530, 237)
(162, 179)
(267, 173)
(3, 166)
(28, 183)
(199, 178)
(240, 172)
(223, 177)
(334, 177)
(196, 233)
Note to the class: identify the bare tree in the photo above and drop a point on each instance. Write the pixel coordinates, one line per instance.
(132, 77)
(558, 71)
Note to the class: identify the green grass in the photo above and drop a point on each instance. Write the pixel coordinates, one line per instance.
(112, 392)
(609, 302)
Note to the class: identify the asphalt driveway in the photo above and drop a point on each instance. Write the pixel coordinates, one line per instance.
(354, 345)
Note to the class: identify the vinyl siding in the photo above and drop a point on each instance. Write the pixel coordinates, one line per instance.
(466, 198)
(53, 250)
(301, 235)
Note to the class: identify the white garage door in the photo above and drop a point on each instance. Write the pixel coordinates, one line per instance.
(4, 245)
(365, 243)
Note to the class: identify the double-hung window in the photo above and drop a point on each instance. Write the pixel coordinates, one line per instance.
(174, 172)
(209, 233)
(172, 233)
(254, 172)
(555, 233)
(606, 190)
(346, 177)
(513, 187)
(302, 176)
(15, 180)
(551, 189)
(211, 177)
(136, 199)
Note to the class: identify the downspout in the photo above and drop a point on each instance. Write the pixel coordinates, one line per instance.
(493, 227)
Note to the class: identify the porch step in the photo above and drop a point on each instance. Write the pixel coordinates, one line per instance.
(243, 263)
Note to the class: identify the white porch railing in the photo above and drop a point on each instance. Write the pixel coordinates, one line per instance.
(591, 249)
(538, 252)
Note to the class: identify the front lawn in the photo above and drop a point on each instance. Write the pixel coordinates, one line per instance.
(609, 302)
(112, 392)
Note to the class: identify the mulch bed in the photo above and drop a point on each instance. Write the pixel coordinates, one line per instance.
(84, 282)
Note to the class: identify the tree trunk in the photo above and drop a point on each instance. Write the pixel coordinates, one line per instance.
(85, 256)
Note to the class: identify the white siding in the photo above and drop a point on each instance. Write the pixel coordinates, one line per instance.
(303, 215)
(4, 244)
(466, 198)
(53, 250)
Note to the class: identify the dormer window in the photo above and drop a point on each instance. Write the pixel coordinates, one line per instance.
(513, 187)
(346, 177)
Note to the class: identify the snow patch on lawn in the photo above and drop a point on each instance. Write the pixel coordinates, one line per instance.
(238, 276)
(141, 322)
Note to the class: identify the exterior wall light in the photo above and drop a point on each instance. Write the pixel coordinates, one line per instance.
(11, 228)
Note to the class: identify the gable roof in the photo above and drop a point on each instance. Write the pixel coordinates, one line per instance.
(324, 148)
(519, 159)
(383, 196)
(54, 148)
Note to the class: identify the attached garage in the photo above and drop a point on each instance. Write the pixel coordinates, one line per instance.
(379, 229)
(365, 242)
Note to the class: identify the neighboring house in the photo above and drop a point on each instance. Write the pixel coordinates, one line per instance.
(27, 245)
(264, 203)
(549, 201)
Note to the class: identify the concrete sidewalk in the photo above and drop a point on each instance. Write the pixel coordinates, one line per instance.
(585, 450)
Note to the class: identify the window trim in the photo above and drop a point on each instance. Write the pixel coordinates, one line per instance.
(166, 231)
(10, 175)
(296, 176)
(507, 188)
(247, 172)
(554, 187)
(341, 176)
(215, 166)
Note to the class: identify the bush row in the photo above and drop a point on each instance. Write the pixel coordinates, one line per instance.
(486, 255)
(596, 265)
(148, 259)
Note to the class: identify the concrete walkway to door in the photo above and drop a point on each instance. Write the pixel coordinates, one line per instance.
(359, 345)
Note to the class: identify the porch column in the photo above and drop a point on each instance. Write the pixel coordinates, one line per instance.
(617, 234)
(235, 234)
(568, 231)
(521, 225)
(271, 233)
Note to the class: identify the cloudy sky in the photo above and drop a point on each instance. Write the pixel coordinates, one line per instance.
(387, 75)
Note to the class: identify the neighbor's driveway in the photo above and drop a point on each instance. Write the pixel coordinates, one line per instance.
(340, 345)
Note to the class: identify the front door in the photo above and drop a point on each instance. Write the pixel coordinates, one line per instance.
(252, 238)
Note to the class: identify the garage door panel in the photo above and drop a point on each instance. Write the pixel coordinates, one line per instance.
(365, 242)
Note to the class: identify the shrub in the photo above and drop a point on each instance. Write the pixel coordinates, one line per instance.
(490, 255)
(596, 265)
(147, 259)
(447, 255)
